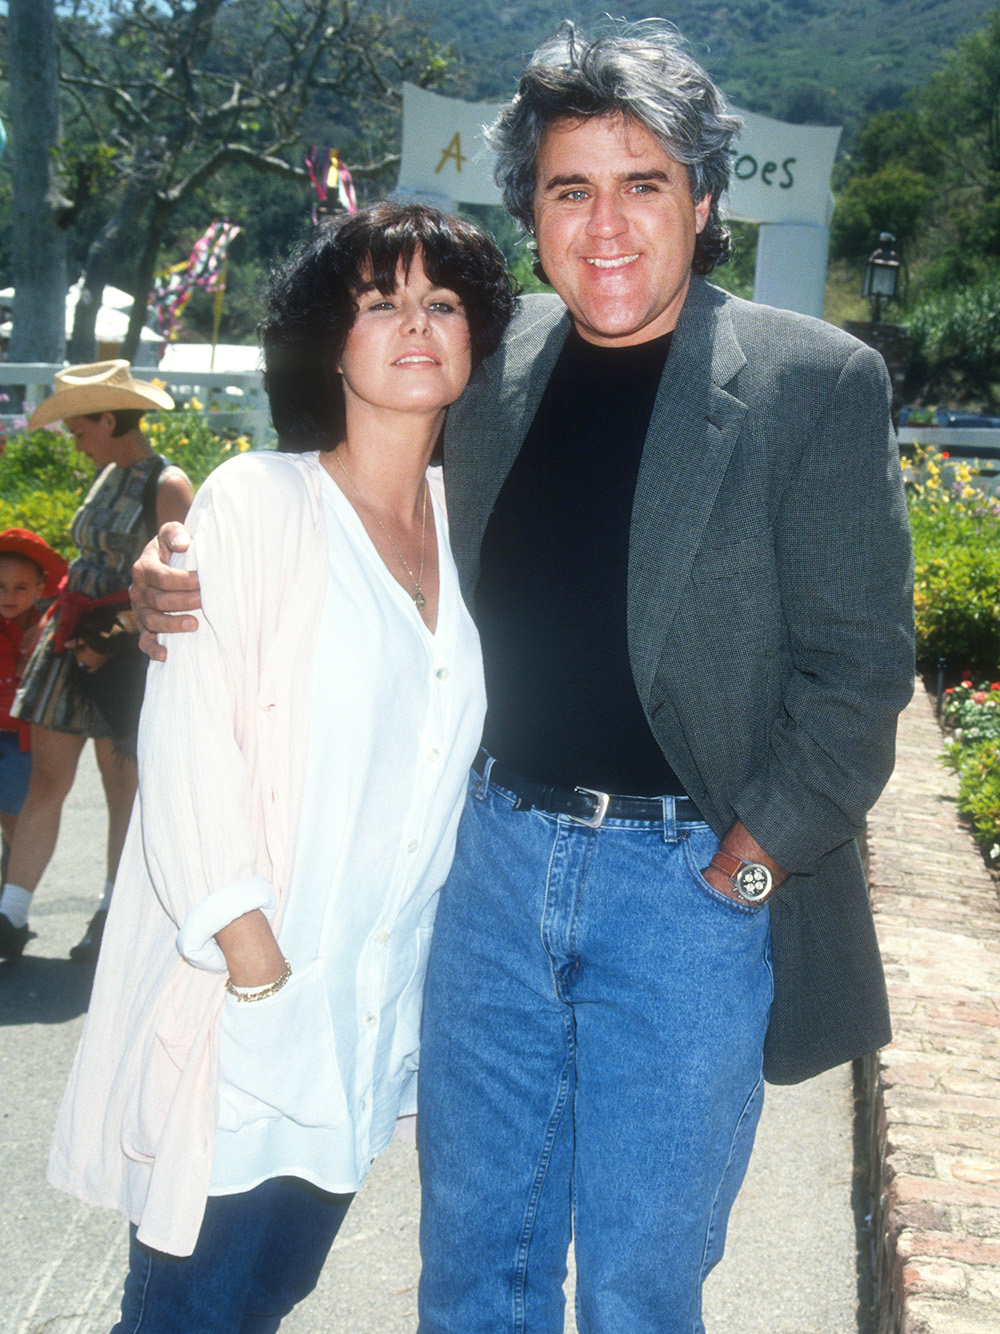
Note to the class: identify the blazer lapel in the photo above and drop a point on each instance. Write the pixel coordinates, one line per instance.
(690, 439)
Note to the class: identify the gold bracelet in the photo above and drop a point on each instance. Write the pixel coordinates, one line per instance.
(260, 993)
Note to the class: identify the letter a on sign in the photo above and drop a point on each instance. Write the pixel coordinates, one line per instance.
(454, 150)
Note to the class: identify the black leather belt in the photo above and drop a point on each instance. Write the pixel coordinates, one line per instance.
(583, 804)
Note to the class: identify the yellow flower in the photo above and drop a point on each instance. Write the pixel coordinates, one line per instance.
(243, 444)
(195, 404)
(160, 384)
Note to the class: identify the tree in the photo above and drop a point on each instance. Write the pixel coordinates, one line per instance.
(39, 267)
(176, 91)
(895, 199)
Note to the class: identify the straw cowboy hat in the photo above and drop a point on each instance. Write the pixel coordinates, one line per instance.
(104, 386)
(21, 542)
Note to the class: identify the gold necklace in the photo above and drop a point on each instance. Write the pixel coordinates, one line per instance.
(420, 602)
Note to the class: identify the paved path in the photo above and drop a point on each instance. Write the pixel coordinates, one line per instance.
(934, 1090)
(790, 1266)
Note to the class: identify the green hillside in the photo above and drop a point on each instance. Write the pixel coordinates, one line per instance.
(810, 61)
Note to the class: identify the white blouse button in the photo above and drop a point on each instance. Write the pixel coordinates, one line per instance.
(412, 845)
(442, 673)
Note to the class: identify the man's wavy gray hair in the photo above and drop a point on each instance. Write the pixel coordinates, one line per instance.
(640, 71)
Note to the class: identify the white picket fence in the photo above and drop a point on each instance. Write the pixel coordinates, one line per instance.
(232, 398)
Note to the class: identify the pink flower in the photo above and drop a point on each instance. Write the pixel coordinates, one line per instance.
(979, 697)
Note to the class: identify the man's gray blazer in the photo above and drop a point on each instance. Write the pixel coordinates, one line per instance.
(769, 612)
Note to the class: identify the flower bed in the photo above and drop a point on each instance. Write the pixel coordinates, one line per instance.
(956, 549)
(972, 717)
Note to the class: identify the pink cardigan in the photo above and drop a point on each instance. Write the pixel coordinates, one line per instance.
(223, 744)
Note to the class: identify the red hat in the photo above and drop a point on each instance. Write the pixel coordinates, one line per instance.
(21, 542)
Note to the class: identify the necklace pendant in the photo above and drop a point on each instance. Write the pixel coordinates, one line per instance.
(419, 601)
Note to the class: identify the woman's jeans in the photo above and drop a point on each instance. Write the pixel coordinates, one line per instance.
(257, 1254)
(593, 1030)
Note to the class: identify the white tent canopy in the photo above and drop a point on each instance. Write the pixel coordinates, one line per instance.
(112, 318)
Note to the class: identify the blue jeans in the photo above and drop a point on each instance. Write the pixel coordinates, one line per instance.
(593, 1030)
(257, 1254)
(15, 770)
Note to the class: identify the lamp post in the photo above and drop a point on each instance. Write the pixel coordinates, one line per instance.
(883, 275)
(885, 278)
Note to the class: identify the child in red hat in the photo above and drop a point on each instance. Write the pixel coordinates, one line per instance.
(29, 571)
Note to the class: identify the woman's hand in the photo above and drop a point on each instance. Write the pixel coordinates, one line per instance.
(252, 953)
(160, 593)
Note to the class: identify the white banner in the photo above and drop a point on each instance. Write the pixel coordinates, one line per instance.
(444, 155)
(781, 172)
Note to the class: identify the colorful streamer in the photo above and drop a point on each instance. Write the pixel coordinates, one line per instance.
(173, 287)
(332, 182)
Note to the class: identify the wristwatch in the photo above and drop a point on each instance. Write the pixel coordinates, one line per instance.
(752, 881)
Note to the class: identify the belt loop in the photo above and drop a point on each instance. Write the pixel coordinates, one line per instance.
(484, 781)
(669, 819)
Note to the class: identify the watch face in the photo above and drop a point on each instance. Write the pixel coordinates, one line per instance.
(753, 882)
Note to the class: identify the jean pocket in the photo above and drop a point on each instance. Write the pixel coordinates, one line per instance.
(694, 856)
(277, 1057)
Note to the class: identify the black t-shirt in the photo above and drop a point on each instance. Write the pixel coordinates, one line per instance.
(551, 597)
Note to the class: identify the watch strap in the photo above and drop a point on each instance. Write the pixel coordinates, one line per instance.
(728, 864)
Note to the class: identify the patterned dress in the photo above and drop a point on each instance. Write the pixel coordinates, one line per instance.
(110, 530)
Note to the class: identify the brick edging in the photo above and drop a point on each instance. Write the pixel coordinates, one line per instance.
(933, 1095)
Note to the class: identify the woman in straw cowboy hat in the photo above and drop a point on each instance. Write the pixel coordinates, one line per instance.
(101, 406)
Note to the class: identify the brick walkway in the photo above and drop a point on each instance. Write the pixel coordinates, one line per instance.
(934, 1094)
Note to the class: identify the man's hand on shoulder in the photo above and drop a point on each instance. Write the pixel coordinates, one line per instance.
(160, 594)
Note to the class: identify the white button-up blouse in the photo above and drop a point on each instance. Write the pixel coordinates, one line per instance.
(313, 1079)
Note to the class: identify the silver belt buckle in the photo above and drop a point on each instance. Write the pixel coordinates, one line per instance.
(596, 820)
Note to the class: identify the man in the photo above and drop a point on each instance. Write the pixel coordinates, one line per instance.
(679, 519)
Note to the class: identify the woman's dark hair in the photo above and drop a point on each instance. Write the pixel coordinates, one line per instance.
(311, 304)
(126, 419)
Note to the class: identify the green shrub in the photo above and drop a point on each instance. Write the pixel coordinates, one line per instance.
(956, 339)
(42, 461)
(47, 513)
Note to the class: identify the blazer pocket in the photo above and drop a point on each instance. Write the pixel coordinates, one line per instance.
(277, 1057)
(752, 553)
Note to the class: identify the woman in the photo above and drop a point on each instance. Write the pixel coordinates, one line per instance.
(102, 406)
(253, 1034)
